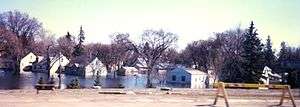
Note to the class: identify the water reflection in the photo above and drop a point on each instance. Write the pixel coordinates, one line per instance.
(27, 81)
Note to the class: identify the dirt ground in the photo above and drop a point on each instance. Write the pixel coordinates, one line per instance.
(138, 98)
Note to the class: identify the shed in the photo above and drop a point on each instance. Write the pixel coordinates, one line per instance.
(187, 77)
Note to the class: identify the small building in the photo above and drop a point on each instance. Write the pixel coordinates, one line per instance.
(26, 62)
(40, 64)
(86, 70)
(125, 70)
(186, 77)
(94, 66)
(141, 66)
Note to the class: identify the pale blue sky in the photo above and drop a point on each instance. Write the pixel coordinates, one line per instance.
(190, 19)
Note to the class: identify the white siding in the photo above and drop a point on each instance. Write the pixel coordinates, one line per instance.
(92, 68)
(63, 61)
(198, 81)
(27, 61)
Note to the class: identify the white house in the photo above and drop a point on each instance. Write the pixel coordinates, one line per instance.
(267, 75)
(94, 66)
(141, 66)
(57, 61)
(186, 77)
(129, 70)
(39, 65)
(27, 61)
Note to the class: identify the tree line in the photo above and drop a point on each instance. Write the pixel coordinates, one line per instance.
(235, 55)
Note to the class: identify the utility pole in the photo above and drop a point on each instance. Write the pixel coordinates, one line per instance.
(48, 63)
(59, 72)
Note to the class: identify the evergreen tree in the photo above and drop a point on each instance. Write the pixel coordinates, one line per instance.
(269, 56)
(252, 56)
(283, 54)
(81, 36)
(69, 36)
(79, 50)
(97, 80)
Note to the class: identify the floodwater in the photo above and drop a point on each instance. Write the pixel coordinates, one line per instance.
(28, 80)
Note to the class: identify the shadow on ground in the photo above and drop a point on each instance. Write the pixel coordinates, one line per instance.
(206, 105)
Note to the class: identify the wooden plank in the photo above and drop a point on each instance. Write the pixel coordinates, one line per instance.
(248, 85)
(221, 90)
(111, 92)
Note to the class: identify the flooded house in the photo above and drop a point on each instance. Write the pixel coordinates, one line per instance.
(86, 70)
(141, 65)
(125, 70)
(6, 65)
(26, 62)
(186, 77)
(95, 66)
(40, 64)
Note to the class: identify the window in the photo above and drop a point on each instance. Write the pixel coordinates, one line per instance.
(183, 78)
(173, 77)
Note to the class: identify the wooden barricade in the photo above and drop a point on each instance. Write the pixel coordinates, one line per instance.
(221, 92)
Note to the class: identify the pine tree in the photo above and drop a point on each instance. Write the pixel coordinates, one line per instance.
(252, 56)
(269, 56)
(68, 36)
(79, 50)
(97, 80)
(283, 54)
(81, 36)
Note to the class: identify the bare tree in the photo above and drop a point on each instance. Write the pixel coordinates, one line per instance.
(42, 42)
(104, 53)
(199, 54)
(229, 67)
(24, 28)
(10, 46)
(66, 45)
(124, 50)
(171, 56)
(153, 45)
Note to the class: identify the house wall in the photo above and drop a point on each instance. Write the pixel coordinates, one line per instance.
(191, 80)
(92, 68)
(179, 75)
(198, 81)
(27, 61)
(73, 70)
(62, 61)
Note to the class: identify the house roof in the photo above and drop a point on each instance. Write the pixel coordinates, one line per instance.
(191, 71)
(163, 66)
(141, 63)
(194, 71)
(130, 68)
(94, 61)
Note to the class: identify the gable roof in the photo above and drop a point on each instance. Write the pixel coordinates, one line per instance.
(130, 68)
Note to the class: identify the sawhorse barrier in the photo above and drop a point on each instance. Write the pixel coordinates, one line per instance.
(221, 92)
